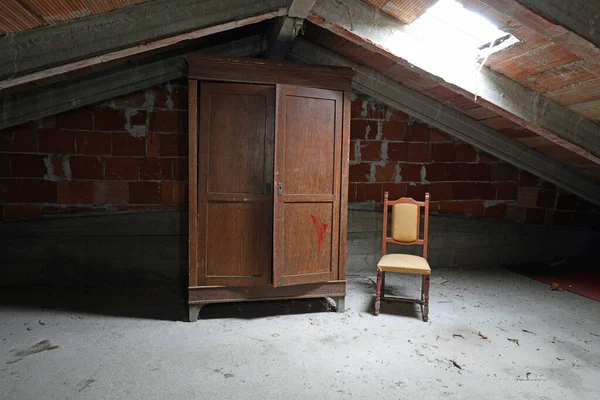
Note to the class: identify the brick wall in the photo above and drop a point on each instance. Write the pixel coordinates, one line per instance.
(127, 154)
(131, 154)
(390, 151)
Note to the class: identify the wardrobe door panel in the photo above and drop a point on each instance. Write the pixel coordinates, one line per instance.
(235, 204)
(307, 179)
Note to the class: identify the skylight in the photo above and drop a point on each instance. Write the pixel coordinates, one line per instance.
(454, 29)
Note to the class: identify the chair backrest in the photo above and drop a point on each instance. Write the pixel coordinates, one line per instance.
(406, 222)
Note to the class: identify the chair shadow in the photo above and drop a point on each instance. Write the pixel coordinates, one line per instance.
(409, 310)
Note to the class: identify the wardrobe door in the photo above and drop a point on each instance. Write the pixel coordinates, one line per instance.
(235, 180)
(308, 149)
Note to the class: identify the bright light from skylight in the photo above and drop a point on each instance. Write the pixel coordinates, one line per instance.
(454, 30)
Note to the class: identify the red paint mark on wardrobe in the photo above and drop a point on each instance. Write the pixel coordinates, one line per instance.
(321, 228)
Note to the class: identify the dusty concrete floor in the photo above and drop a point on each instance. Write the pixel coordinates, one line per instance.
(66, 345)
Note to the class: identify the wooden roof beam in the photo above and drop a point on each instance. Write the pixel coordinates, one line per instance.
(143, 27)
(380, 33)
(479, 135)
(94, 88)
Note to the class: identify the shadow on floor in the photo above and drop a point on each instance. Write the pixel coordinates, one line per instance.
(166, 303)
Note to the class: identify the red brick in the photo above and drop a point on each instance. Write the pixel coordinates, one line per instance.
(435, 172)
(565, 201)
(56, 142)
(174, 192)
(121, 168)
(442, 152)
(527, 179)
(19, 139)
(562, 218)
(417, 192)
(527, 196)
(397, 151)
(180, 169)
(549, 217)
(393, 130)
(496, 211)
(418, 152)
(370, 151)
(457, 172)
(27, 165)
(123, 144)
(479, 172)
(535, 216)
(465, 190)
(109, 119)
(398, 116)
(376, 110)
(507, 191)
(12, 212)
(504, 172)
(410, 172)
(486, 191)
(395, 190)
(417, 133)
(363, 129)
(360, 172)
(438, 136)
(48, 122)
(546, 198)
(352, 193)
(132, 100)
(153, 169)
(356, 108)
(518, 133)
(86, 167)
(28, 191)
(111, 193)
(172, 145)
(369, 192)
(385, 173)
(144, 193)
(4, 166)
(166, 121)
(485, 158)
(515, 213)
(93, 143)
(81, 118)
(152, 142)
(75, 192)
(442, 191)
(465, 153)
(474, 208)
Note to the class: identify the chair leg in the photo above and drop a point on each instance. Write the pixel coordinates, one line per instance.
(378, 294)
(383, 285)
(425, 297)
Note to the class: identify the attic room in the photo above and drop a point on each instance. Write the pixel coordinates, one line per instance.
(299, 199)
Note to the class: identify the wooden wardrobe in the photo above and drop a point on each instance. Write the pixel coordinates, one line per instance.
(268, 180)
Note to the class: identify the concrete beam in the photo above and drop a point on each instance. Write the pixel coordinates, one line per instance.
(53, 45)
(384, 89)
(579, 16)
(104, 85)
(284, 30)
(380, 33)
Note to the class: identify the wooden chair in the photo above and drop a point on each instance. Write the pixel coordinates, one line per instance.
(406, 222)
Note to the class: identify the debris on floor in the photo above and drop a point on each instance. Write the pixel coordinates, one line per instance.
(482, 336)
(514, 341)
(456, 364)
(526, 331)
(455, 335)
(555, 287)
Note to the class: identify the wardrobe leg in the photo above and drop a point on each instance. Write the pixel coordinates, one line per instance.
(340, 303)
(194, 311)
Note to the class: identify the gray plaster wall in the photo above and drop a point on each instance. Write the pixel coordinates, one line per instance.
(142, 248)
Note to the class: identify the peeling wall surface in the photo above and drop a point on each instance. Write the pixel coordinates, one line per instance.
(72, 188)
